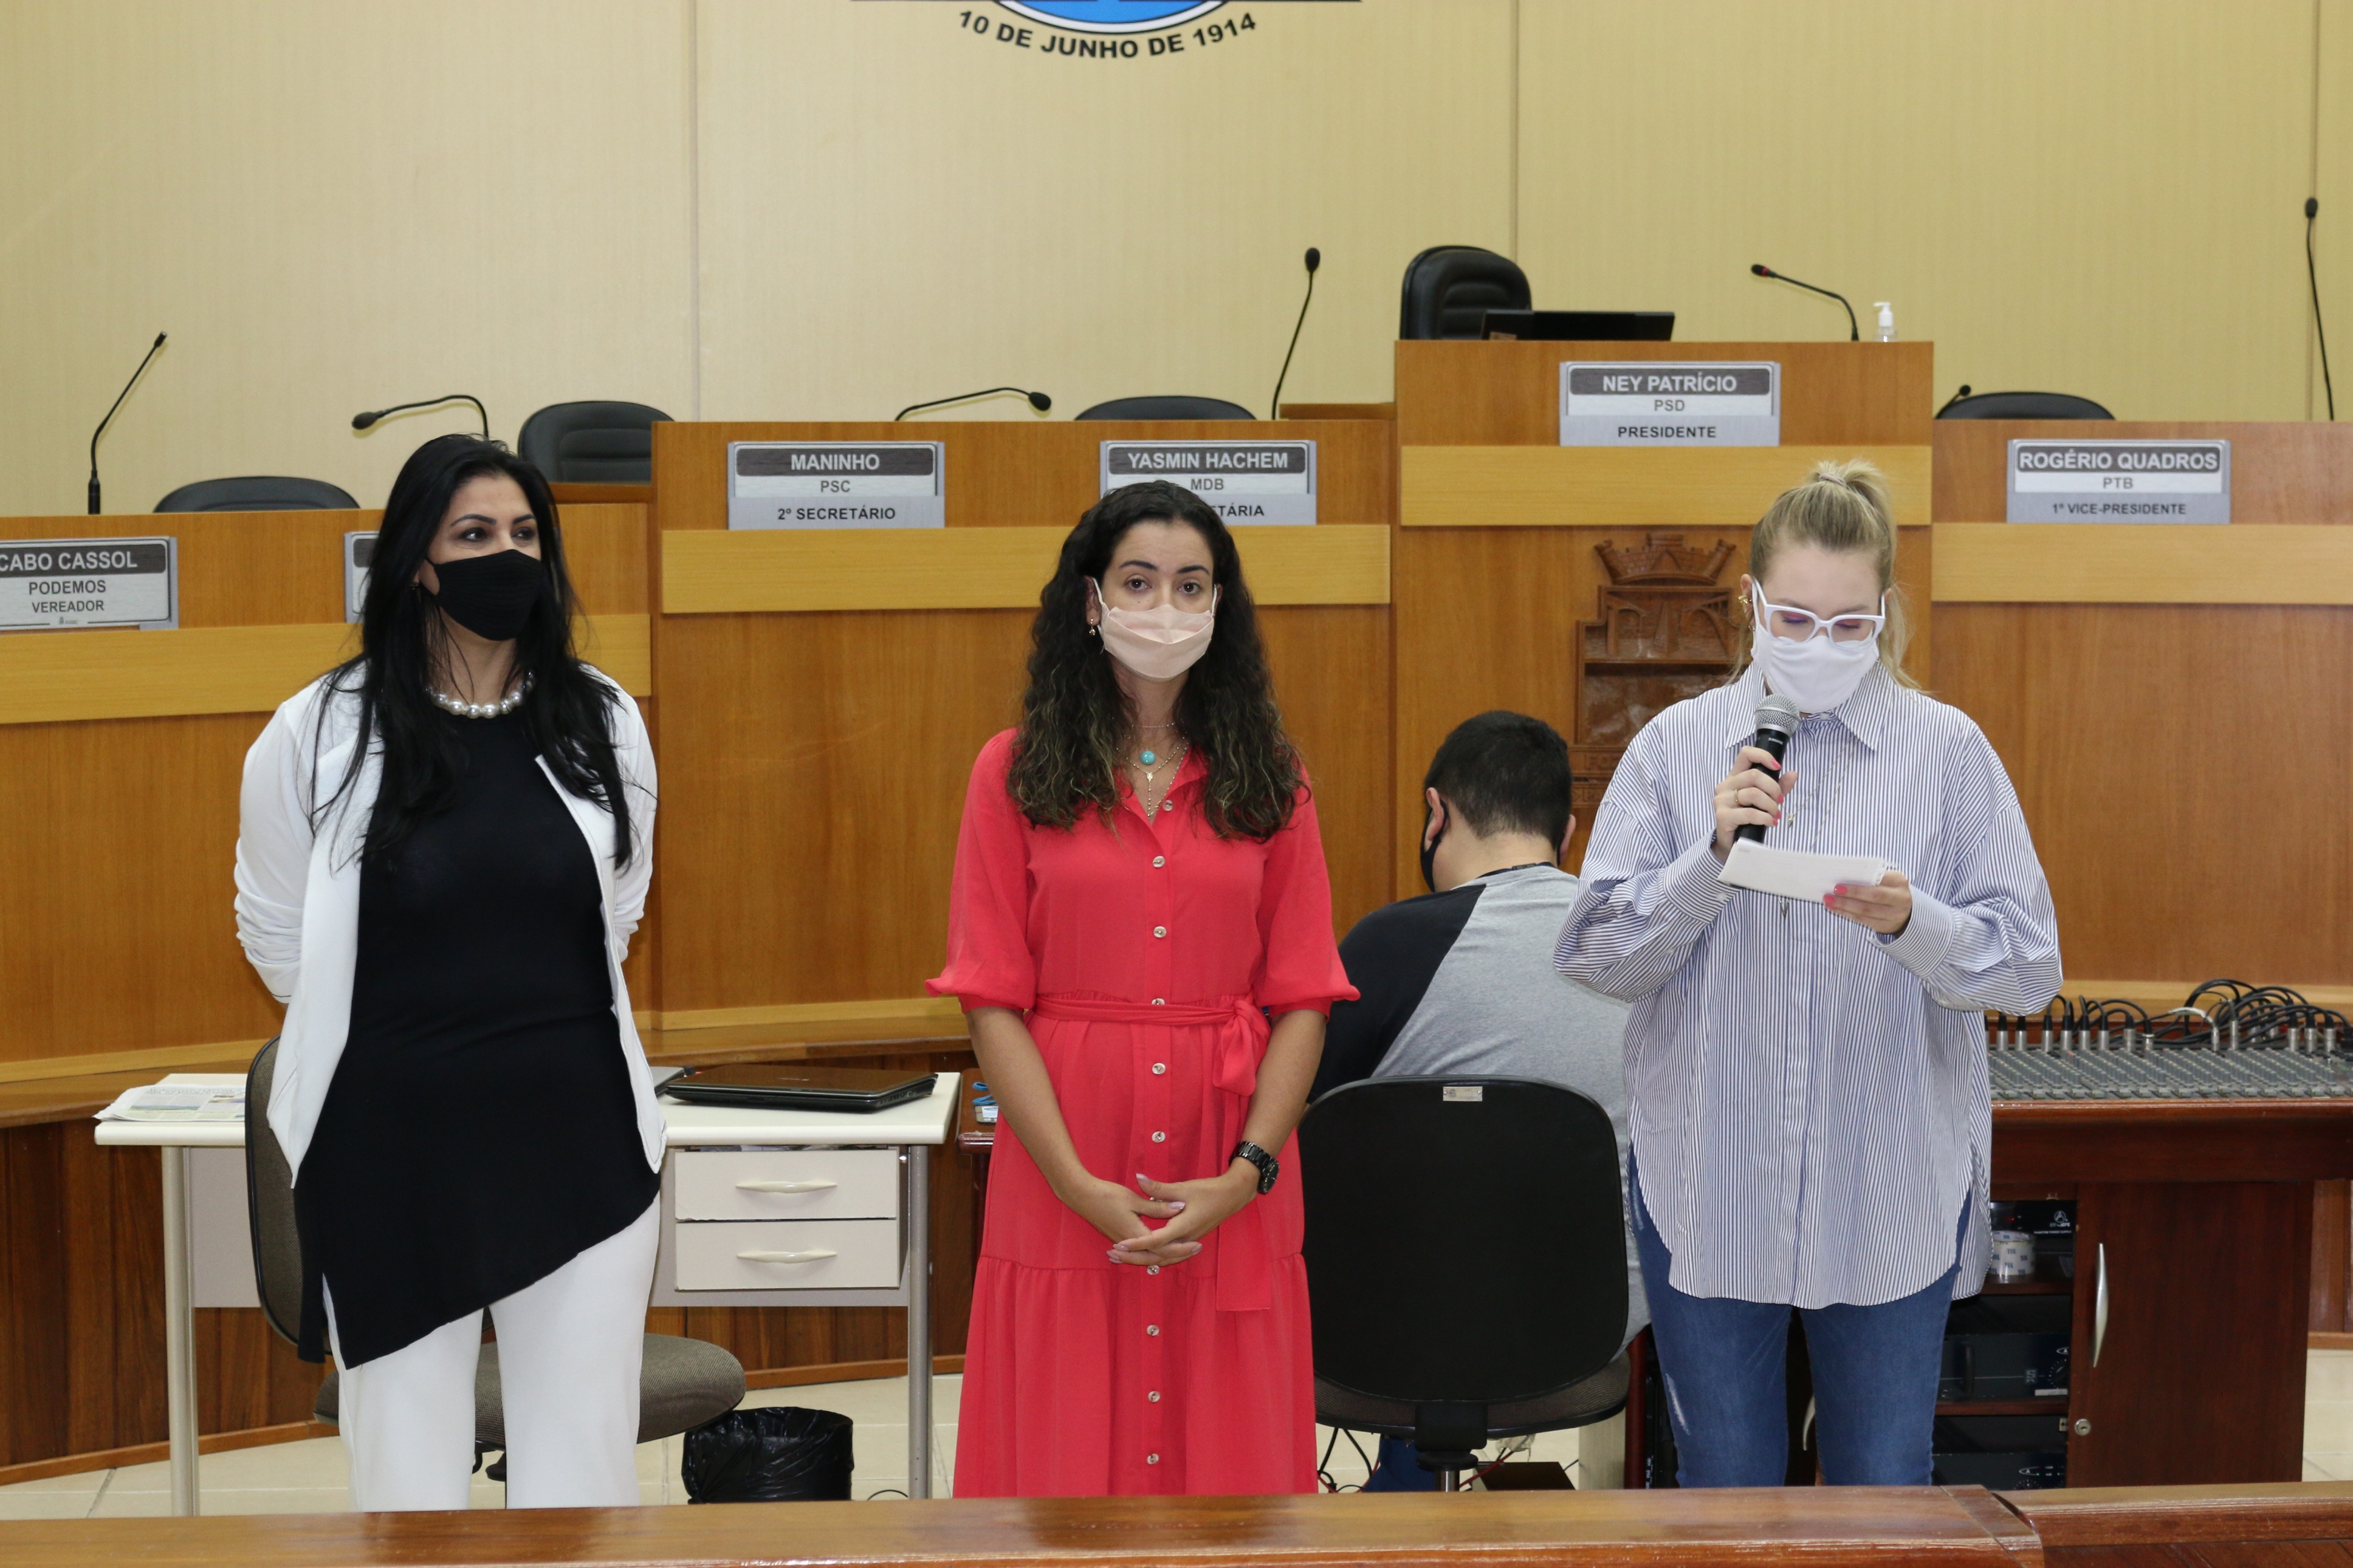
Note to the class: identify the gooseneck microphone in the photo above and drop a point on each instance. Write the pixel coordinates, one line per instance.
(1776, 720)
(110, 418)
(1038, 400)
(1957, 397)
(1853, 334)
(362, 421)
(1314, 260)
(2311, 273)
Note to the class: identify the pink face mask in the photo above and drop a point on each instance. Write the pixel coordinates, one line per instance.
(1158, 644)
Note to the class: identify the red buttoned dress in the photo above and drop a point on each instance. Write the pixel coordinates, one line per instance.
(1142, 954)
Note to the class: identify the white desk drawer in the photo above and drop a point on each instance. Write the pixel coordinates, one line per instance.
(787, 1184)
(789, 1255)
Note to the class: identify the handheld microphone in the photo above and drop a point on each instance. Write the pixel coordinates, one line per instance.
(110, 418)
(1853, 334)
(2312, 272)
(1776, 720)
(1038, 400)
(1314, 260)
(362, 421)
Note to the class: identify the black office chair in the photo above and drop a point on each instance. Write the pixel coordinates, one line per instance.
(592, 442)
(259, 492)
(1167, 409)
(1449, 287)
(683, 1383)
(1481, 1293)
(2022, 405)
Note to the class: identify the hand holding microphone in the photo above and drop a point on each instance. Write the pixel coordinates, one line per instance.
(1748, 801)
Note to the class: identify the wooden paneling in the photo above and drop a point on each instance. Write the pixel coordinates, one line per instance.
(1629, 487)
(60, 677)
(714, 572)
(2233, 1139)
(1002, 475)
(1822, 1527)
(2132, 563)
(815, 764)
(2183, 769)
(1508, 394)
(2215, 1392)
(2286, 472)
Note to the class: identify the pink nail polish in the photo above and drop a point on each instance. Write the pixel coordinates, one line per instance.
(1176, 1205)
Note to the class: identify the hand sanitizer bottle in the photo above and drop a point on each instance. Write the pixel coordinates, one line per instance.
(1886, 322)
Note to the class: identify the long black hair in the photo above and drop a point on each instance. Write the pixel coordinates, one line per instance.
(1074, 718)
(569, 713)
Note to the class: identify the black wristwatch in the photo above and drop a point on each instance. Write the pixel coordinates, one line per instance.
(1269, 1167)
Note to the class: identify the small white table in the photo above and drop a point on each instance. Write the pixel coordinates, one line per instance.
(909, 1130)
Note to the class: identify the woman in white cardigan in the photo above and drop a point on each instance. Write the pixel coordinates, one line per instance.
(460, 1088)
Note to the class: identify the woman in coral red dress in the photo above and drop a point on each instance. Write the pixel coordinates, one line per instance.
(1139, 887)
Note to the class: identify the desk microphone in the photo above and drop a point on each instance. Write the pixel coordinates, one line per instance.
(362, 421)
(2312, 272)
(110, 419)
(1853, 334)
(1314, 260)
(1776, 720)
(1038, 400)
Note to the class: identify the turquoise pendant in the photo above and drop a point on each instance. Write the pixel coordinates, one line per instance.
(1149, 759)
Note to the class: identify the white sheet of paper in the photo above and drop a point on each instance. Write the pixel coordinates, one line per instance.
(177, 1103)
(1794, 873)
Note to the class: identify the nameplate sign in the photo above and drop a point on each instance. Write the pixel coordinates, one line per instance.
(2119, 481)
(47, 584)
(1670, 403)
(1255, 482)
(837, 484)
(359, 549)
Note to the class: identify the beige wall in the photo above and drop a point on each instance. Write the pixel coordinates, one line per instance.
(335, 205)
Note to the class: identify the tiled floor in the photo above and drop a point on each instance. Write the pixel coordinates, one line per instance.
(308, 1478)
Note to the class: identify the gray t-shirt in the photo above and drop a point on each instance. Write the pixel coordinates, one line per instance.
(1462, 982)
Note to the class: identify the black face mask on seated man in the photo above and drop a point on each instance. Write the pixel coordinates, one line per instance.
(491, 595)
(1430, 848)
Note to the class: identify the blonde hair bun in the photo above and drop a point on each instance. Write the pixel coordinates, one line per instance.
(1842, 508)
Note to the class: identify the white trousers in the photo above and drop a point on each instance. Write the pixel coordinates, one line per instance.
(570, 1348)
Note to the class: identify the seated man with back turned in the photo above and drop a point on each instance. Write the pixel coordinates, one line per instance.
(1461, 981)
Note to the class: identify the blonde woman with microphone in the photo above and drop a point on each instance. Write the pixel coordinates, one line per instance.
(1809, 1114)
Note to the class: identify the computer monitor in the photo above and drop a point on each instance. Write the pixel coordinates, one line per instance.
(1580, 326)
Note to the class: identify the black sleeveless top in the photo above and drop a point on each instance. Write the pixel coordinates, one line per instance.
(479, 1131)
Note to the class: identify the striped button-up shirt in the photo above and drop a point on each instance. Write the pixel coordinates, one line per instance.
(1810, 1109)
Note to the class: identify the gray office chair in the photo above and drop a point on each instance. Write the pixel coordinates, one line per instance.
(1449, 288)
(684, 1382)
(259, 492)
(1167, 409)
(592, 442)
(2021, 405)
(1485, 1302)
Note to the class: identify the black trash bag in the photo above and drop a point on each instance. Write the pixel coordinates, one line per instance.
(779, 1454)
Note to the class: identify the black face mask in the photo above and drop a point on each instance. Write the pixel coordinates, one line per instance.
(1430, 848)
(491, 595)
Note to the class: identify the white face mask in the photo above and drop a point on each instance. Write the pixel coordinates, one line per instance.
(1815, 674)
(1158, 644)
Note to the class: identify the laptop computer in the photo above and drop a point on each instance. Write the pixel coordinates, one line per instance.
(1580, 326)
(795, 1086)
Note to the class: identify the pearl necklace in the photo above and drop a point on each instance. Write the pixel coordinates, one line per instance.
(463, 710)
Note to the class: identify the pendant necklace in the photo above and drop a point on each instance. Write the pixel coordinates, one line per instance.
(1152, 762)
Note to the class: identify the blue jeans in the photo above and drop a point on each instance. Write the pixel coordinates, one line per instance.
(1723, 1361)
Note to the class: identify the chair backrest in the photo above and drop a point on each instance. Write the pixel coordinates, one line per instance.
(1449, 287)
(270, 1206)
(1466, 1240)
(1167, 409)
(592, 442)
(2023, 406)
(259, 492)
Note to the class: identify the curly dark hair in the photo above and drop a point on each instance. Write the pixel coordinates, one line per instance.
(1074, 719)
